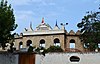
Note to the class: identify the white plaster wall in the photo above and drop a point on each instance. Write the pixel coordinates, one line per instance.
(8, 58)
(63, 58)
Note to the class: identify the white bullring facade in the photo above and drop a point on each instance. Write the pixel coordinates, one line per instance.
(44, 35)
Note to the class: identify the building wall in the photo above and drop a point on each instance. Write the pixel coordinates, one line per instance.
(9, 58)
(16, 43)
(45, 32)
(50, 58)
(64, 58)
(49, 40)
(78, 43)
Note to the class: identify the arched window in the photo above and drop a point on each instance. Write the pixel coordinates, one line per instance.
(29, 43)
(74, 59)
(20, 44)
(98, 45)
(72, 43)
(56, 42)
(42, 43)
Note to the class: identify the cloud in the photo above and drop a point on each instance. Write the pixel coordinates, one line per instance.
(29, 2)
(24, 12)
(97, 1)
(23, 15)
(36, 0)
(51, 3)
(19, 2)
(86, 1)
(47, 3)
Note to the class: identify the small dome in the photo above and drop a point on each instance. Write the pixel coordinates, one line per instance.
(44, 27)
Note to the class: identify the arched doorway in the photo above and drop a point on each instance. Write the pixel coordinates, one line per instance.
(56, 42)
(72, 43)
(20, 44)
(42, 43)
(29, 43)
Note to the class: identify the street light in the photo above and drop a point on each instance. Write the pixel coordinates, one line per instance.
(63, 25)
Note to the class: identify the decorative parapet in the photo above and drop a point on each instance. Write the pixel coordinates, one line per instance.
(44, 32)
(71, 32)
(78, 32)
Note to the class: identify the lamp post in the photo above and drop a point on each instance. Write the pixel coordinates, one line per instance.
(63, 25)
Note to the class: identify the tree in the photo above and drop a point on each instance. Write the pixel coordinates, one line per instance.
(90, 30)
(7, 23)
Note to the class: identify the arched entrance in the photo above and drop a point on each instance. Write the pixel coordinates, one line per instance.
(56, 42)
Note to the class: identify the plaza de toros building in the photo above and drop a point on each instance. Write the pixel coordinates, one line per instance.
(45, 36)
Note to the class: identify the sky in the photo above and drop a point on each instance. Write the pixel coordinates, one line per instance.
(64, 11)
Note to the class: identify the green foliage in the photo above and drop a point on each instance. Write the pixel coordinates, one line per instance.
(7, 23)
(30, 49)
(54, 49)
(39, 49)
(90, 29)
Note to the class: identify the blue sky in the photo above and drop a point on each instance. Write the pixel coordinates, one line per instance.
(64, 11)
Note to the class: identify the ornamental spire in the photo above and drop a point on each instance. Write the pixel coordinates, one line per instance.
(30, 24)
(56, 23)
(42, 20)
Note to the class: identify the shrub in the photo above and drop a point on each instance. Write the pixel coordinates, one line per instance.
(54, 49)
(30, 49)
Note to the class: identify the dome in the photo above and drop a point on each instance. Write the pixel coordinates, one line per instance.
(43, 26)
